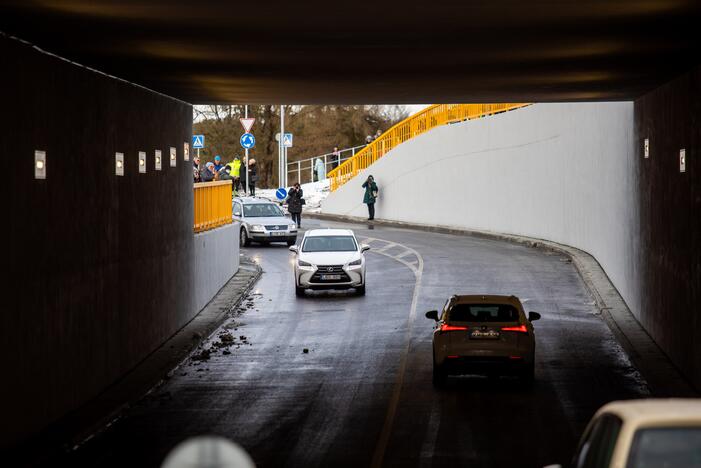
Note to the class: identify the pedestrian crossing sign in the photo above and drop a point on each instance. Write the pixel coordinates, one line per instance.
(287, 140)
(198, 141)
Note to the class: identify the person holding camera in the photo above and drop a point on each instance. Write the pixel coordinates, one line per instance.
(370, 196)
(295, 202)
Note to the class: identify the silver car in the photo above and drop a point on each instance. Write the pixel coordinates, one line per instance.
(263, 221)
(329, 259)
(488, 335)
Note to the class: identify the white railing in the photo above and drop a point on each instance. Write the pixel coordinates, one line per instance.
(302, 171)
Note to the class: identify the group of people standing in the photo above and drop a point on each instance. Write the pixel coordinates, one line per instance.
(234, 170)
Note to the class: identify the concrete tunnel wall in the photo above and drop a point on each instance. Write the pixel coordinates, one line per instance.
(574, 174)
(100, 269)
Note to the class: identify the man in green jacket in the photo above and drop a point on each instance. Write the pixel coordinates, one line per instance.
(370, 196)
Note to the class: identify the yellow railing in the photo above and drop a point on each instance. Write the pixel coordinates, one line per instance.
(433, 116)
(212, 204)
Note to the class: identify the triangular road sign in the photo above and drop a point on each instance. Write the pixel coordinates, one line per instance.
(247, 123)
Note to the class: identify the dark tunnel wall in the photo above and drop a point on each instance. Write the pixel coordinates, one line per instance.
(670, 219)
(98, 266)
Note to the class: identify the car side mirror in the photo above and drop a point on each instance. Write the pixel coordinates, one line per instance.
(432, 314)
(533, 316)
(294, 248)
(364, 248)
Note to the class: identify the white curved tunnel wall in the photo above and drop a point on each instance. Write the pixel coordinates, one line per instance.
(562, 172)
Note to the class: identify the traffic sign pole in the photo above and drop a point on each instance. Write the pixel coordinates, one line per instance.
(281, 150)
(245, 159)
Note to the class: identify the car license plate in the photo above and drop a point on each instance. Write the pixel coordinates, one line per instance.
(276, 233)
(484, 335)
(330, 277)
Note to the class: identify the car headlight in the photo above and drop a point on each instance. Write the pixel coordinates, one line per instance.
(292, 227)
(257, 227)
(302, 263)
(356, 262)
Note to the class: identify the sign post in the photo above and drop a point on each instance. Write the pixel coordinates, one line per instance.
(247, 125)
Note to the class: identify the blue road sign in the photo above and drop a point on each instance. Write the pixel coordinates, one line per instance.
(281, 193)
(287, 140)
(248, 141)
(197, 141)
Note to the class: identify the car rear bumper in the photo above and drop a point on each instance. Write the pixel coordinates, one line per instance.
(485, 365)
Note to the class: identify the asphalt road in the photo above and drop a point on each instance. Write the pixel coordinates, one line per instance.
(362, 394)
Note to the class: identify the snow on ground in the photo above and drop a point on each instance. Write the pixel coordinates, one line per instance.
(314, 194)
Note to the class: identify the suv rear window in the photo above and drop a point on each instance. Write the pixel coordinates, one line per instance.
(666, 446)
(483, 313)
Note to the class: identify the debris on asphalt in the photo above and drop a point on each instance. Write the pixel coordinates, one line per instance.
(202, 356)
(226, 338)
(226, 351)
(305, 350)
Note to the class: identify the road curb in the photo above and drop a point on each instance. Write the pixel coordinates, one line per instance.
(82, 425)
(662, 376)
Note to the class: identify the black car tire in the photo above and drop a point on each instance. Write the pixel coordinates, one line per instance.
(528, 375)
(290, 243)
(360, 290)
(299, 292)
(245, 240)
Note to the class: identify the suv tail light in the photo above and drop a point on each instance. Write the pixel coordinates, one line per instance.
(445, 327)
(519, 329)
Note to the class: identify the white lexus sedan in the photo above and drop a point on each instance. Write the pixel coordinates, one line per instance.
(329, 259)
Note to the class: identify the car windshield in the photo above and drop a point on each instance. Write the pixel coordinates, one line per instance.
(329, 244)
(666, 446)
(261, 210)
(483, 313)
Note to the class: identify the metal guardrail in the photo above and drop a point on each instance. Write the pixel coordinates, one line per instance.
(421, 122)
(302, 171)
(212, 204)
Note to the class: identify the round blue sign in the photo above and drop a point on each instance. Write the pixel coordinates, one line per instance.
(248, 141)
(281, 193)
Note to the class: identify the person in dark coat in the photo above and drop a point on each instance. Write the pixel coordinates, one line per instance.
(370, 196)
(252, 176)
(294, 203)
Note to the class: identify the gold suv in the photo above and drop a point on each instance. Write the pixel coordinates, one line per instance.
(486, 335)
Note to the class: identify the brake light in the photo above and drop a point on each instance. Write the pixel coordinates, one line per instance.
(446, 327)
(520, 329)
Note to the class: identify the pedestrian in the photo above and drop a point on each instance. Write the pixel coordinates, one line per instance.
(320, 169)
(217, 163)
(235, 171)
(252, 176)
(368, 139)
(207, 174)
(196, 169)
(336, 156)
(370, 196)
(295, 202)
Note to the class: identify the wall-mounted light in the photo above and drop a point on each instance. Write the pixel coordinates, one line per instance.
(40, 164)
(647, 148)
(142, 162)
(186, 151)
(173, 156)
(119, 164)
(682, 160)
(158, 160)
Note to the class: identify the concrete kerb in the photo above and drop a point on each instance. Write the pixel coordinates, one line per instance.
(662, 376)
(83, 424)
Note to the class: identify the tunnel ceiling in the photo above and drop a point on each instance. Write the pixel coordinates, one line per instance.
(221, 51)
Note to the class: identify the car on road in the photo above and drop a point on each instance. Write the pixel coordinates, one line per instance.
(480, 334)
(652, 433)
(262, 221)
(329, 259)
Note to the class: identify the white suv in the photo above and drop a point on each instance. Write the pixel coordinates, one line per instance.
(329, 259)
